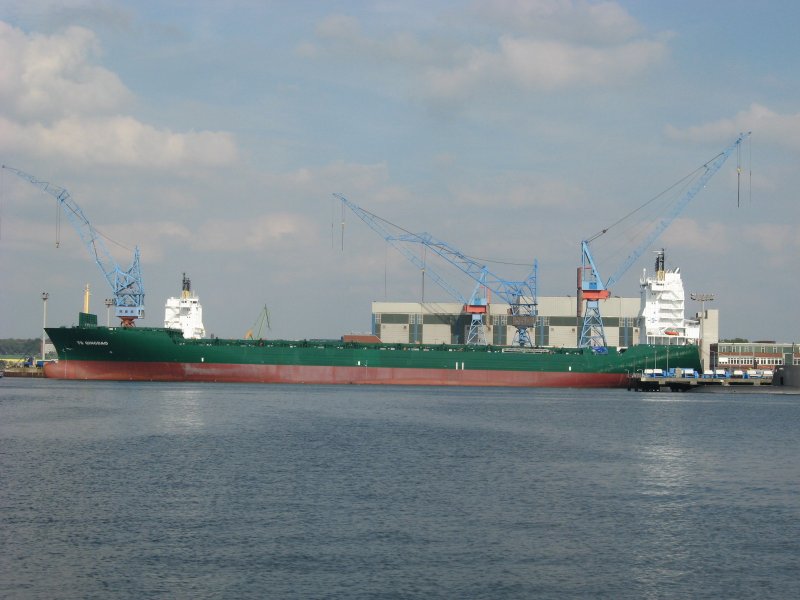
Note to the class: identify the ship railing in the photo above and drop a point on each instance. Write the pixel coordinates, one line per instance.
(519, 350)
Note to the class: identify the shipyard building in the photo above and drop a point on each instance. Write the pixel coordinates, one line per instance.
(755, 355)
(556, 323)
(656, 317)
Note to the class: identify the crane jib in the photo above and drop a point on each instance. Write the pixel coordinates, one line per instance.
(591, 284)
(126, 284)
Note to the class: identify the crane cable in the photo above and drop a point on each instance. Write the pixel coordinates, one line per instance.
(475, 258)
(738, 174)
(681, 181)
(85, 220)
(749, 172)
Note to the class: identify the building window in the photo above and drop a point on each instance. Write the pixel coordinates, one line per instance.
(415, 328)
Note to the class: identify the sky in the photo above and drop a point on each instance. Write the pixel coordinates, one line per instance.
(213, 135)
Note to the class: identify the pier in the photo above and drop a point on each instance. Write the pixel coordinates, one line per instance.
(681, 380)
(22, 372)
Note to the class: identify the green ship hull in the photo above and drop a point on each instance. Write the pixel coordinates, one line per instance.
(158, 354)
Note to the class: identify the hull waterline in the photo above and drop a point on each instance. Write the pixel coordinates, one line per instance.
(232, 373)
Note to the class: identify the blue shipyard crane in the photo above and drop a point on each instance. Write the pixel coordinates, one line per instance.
(126, 284)
(475, 306)
(590, 284)
(519, 295)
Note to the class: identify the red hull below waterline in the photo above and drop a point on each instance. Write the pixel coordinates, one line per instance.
(238, 373)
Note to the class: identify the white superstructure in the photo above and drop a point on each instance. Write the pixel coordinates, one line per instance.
(185, 313)
(662, 308)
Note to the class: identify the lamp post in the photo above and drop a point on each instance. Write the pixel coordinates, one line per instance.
(702, 299)
(45, 296)
(109, 302)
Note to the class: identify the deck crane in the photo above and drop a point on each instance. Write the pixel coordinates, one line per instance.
(519, 295)
(590, 285)
(254, 333)
(126, 285)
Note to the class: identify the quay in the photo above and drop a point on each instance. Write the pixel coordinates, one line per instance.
(685, 380)
(22, 372)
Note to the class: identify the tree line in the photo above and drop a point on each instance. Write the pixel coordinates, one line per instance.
(18, 347)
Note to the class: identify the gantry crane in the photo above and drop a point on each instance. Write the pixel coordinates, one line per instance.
(126, 284)
(519, 295)
(590, 285)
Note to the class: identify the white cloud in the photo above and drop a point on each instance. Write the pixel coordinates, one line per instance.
(339, 27)
(548, 45)
(545, 65)
(155, 238)
(778, 243)
(56, 103)
(710, 239)
(276, 230)
(308, 190)
(220, 236)
(605, 22)
(341, 35)
(766, 125)
(119, 141)
(338, 176)
(521, 191)
(51, 77)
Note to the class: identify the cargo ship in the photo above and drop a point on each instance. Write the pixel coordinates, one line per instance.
(179, 352)
(92, 352)
(164, 354)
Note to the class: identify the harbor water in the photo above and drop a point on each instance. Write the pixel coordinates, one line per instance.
(146, 490)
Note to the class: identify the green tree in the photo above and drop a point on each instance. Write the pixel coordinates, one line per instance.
(19, 347)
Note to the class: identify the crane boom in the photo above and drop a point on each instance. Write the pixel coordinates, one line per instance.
(475, 307)
(126, 284)
(509, 291)
(711, 168)
(520, 295)
(592, 288)
(377, 225)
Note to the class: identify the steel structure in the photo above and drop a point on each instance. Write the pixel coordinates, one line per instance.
(591, 287)
(519, 295)
(127, 283)
(475, 306)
